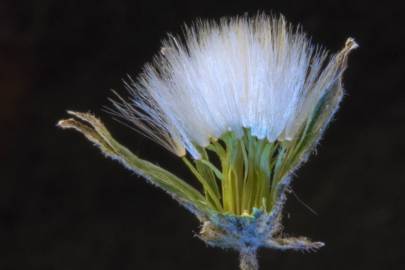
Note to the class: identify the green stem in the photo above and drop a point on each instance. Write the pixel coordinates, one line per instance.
(248, 259)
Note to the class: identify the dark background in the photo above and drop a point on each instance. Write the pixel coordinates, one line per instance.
(64, 206)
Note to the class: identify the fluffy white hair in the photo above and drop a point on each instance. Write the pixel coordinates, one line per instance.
(259, 73)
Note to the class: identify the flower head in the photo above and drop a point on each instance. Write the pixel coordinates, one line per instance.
(247, 99)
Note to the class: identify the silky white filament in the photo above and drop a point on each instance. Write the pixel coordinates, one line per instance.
(258, 73)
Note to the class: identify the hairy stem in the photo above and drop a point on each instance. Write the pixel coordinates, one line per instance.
(248, 259)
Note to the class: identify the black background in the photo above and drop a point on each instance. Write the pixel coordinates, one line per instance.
(64, 206)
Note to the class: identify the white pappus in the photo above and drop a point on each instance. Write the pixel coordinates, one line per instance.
(258, 73)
